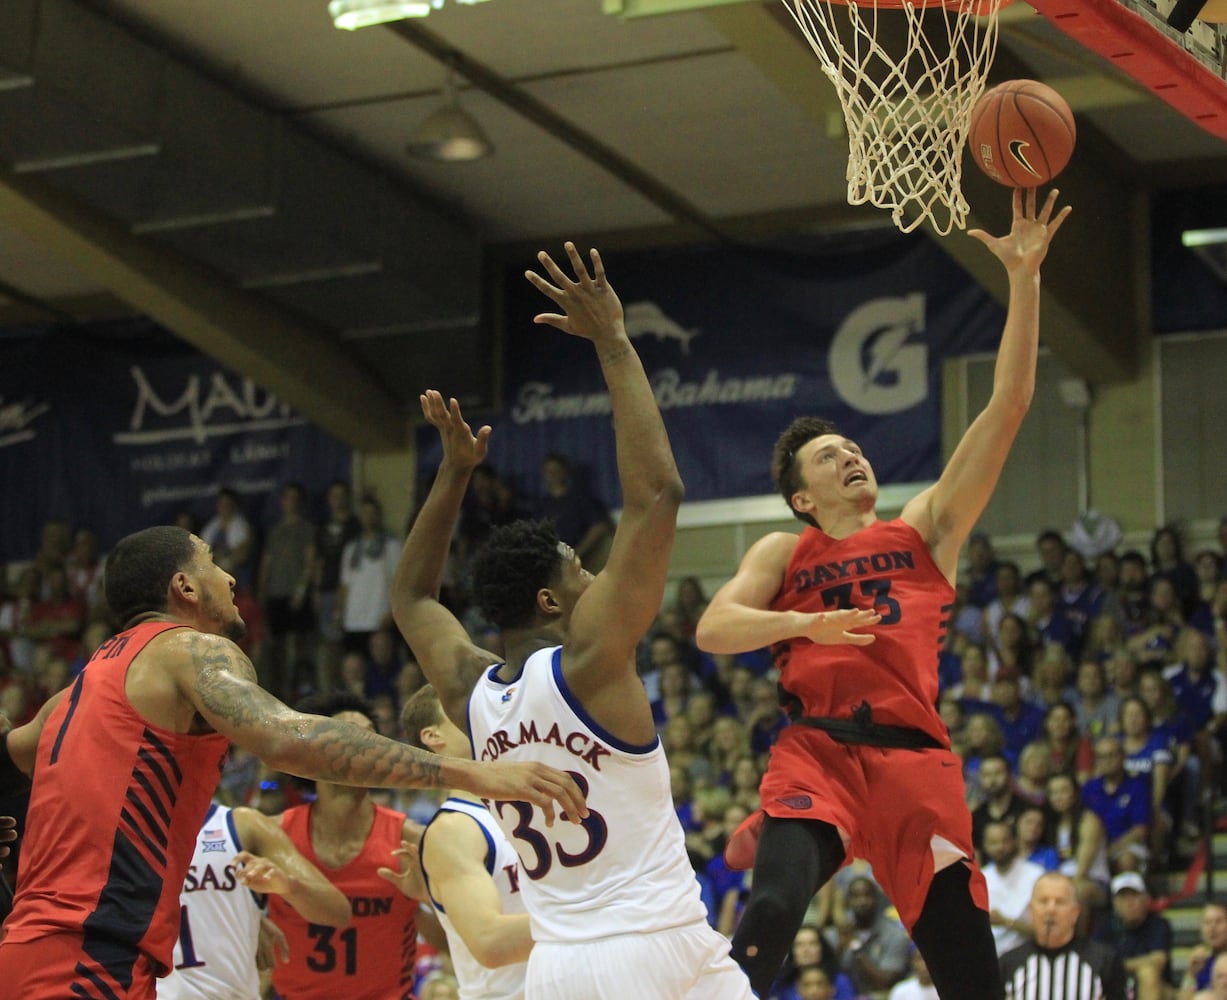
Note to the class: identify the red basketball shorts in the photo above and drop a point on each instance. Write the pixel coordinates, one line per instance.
(895, 808)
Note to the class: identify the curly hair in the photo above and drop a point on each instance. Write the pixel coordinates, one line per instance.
(140, 567)
(517, 560)
(784, 470)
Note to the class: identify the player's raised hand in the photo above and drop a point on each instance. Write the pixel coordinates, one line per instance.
(1026, 244)
(591, 308)
(461, 447)
(829, 628)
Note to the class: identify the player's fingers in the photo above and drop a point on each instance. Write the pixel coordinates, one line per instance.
(570, 798)
(980, 235)
(1049, 204)
(577, 262)
(598, 266)
(858, 638)
(554, 271)
(432, 407)
(551, 319)
(390, 875)
(1059, 220)
(543, 286)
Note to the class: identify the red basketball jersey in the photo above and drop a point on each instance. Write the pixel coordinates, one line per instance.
(113, 817)
(372, 958)
(886, 566)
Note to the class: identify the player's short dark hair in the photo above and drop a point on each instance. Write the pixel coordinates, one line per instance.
(422, 709)
(140, 567)
(330, 703)
(516, 562)
(784, 470)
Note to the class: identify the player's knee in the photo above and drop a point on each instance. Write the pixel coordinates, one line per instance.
(770, 904)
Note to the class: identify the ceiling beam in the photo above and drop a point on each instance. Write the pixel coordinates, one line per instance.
(544, 117)
(303, 365)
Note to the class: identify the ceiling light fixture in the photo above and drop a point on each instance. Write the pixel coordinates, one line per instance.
(1211, 246)
(450, 134)
(349, 15)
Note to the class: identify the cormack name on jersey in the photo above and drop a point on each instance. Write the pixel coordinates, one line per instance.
(581, 744)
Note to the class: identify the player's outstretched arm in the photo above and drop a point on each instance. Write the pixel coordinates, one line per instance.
(20, 747)
(453, 856)
(945, 513)
(270, 863)
(448, 657)
(626, 596)
(220, 681)
(738, 617)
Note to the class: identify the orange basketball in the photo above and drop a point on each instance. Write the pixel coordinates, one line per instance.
(1022, 133)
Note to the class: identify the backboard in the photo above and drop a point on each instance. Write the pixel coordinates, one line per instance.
(1183, 69)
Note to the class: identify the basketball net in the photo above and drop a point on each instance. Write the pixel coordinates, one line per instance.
(908, 76)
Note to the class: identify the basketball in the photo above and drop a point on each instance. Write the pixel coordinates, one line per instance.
(1022, 133)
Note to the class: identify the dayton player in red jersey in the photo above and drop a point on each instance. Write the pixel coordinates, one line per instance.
(128, 757)
(348, 838)
(866, 769)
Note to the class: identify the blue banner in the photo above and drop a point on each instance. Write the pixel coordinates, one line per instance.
(119, 428)
(736, 344)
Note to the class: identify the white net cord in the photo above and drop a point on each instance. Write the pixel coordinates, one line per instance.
(908, 77)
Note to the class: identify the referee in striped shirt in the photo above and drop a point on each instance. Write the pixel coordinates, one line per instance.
(1055, 966)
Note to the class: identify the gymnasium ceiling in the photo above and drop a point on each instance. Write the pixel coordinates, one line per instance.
(236, 170)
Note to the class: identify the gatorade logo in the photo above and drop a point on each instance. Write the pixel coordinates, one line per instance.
(874, 365)
(1016, 150)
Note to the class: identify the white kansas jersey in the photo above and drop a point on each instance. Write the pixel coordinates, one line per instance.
(625, 870)
(476, 981)
(219, 922)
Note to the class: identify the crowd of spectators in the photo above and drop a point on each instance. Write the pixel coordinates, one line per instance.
(1086, 694)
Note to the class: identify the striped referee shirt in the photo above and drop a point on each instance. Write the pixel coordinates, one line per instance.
(1081, 970)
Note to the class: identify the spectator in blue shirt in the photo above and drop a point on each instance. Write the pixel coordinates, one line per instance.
(1123, 805)
(1022, 722)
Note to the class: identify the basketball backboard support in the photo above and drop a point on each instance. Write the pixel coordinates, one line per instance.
(1184, 70)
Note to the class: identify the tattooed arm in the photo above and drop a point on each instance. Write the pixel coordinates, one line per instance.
(220, 682)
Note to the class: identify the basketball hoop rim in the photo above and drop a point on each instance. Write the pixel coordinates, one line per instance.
(977, 8)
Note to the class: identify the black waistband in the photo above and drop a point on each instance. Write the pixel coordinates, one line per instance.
(861, 729)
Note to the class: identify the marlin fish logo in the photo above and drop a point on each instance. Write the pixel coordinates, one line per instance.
(644, 318)
(1017, 146)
